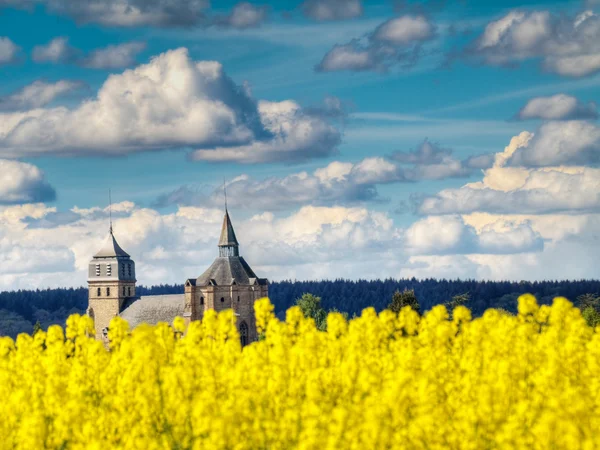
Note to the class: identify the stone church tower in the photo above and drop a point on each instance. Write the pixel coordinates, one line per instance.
(228, 283)
(111, 281)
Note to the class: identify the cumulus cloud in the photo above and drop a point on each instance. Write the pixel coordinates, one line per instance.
(57, 50)
(37, 94)
(113, 56)
(332, 9)
(353, 58)
(444, 235)
(129, 13)
(139, 13)
(117, 56)
(172, 102)
(295, 137)
(509, 189)
(8, 50)
(243, 15)
(396, 42)
(23, 183)
(558, 107)
(566, 45)
(571, 143)
(171, 247)
(337, 183)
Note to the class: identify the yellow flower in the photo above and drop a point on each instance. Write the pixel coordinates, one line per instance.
(394, 381)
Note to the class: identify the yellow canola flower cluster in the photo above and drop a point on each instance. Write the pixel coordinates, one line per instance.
(382, 381)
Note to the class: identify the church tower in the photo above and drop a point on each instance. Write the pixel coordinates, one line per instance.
(229, 283)
(111, 281)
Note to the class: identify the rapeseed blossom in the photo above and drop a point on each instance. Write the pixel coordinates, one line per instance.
(393, 381)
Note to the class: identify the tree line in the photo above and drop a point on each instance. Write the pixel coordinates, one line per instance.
(21, 310)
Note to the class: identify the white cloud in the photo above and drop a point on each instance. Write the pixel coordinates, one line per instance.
(519, 184)
(116, 56)
(169, 248)
(560, 143)
(568, 46)
(332, 9)
(37, 95)
(404, 30)
(350, 57)
(57, 50)
(131, 13)
(442, 235)
(243, 15)
(23, 183)
(394, 43)
(113, 56)
(171, 102)
(571, 248)
(558, 107)
(337, 183)
(8, 50)
(295, 137)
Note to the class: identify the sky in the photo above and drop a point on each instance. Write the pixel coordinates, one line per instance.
(356, 139)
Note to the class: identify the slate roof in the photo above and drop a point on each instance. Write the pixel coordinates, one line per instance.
(111, 249)
(152, 309)
(227, 234)
(228, 270)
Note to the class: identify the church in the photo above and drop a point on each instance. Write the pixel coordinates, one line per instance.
(229, 283)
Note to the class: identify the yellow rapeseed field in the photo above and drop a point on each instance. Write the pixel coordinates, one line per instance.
(376, 382)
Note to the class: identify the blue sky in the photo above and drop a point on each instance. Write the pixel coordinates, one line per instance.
(370, 83)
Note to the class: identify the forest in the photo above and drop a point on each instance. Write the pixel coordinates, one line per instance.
(21, 310)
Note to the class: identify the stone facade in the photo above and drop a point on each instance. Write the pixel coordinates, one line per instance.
(229, 283)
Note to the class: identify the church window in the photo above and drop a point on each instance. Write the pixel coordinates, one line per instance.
(99, 293)
(222, 299)
(108, 292)
(124, 292)
(97, 270)
(108, 270)
(129, 269)
(129, 291)
(238, 298)
(244, 334)
(202, 300)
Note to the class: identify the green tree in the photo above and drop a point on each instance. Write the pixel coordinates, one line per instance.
(457, 300)
(590, 308)
(37, 327)
(402, 299)
(591, 316)
(311, 307)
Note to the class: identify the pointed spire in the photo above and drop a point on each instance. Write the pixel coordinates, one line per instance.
(111, 248)
(228, 238)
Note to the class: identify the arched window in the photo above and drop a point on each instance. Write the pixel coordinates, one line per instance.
(99, 292)
(124, 292)
(129, 291)
(244, 334)
(108, 292)
(238, 298)
(202, 300)
(222, 299)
